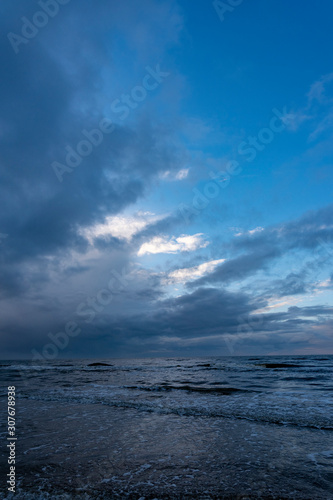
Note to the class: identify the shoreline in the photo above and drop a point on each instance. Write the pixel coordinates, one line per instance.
(97, 451)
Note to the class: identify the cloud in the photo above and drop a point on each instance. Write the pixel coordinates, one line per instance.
(320, 106)
(318, 109)
(182, 174)
(260, 247)
(325, 124)
(122, 226)
(239, 267)
(175, 176)
(292, 284)
(165, 244)
(61, 243)
(50, 92)
(204, 312)
(191, 273)
(212, 319)
(252, 231)
(309, 231)
(318, 89)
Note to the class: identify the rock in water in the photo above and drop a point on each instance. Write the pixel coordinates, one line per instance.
(99, 364)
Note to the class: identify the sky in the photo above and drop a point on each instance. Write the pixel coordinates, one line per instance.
(165, 178)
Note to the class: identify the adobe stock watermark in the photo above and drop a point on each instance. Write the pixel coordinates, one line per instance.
(87, 309)
(220, 180)
(122, 107)
(31, 28)
(222, 7)
(252, 323)
(247, 325)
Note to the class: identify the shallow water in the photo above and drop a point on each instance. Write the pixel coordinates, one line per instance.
(232, 427)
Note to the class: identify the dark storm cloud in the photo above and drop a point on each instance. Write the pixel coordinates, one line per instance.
(292, 284)
(311, 311)
(206, 318)
(204, 312)
(208, 310)
(138, 319)
(58, 84)
(50, 91)
(11, 282)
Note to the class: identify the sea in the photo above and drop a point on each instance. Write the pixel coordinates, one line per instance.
(170, 428)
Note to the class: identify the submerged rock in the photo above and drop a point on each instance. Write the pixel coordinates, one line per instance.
(99, 364)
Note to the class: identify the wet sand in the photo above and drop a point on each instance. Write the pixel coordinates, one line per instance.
(98, 451)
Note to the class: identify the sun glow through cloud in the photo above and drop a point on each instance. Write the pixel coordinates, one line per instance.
(149, 163)
(164, 244)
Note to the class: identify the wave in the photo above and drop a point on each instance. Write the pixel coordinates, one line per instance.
(208, 390)
(185, 411)
(305, 378)
(38, 367)
(279, 365)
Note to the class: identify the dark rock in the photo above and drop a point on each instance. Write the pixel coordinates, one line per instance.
(279, 365)
(99, 364)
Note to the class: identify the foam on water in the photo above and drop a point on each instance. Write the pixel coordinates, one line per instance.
(277, 390)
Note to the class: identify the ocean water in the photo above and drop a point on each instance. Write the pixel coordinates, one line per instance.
(216, 427)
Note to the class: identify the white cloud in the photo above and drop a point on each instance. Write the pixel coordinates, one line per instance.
(175, 176)
(121, 226)
(294, 119)
(324, 283)
(252, 231)
(318, 107)
(163, 244)
(318, 89)
(283, 303)
(182, 174)
(323, 125)
(190, 273)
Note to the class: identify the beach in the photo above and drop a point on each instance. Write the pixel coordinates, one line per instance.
(88, 437)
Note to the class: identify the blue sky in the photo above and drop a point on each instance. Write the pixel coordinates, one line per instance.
(166, 178)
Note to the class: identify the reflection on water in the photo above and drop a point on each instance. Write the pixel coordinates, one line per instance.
(168, 428)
